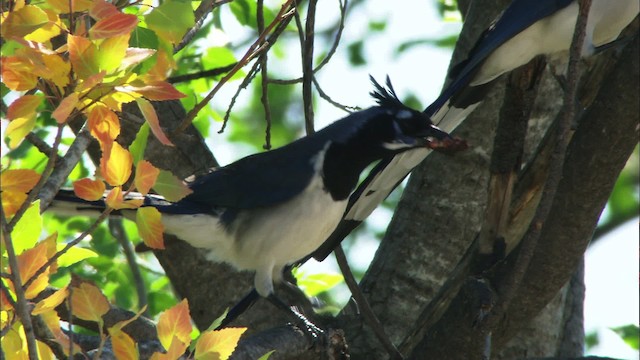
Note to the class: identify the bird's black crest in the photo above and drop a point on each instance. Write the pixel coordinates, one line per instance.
(385, 96)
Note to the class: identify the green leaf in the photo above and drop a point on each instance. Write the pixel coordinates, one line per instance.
(171, 20)
(28, 229)
(630, 334)
(315, 284)
(143, 38)
(169, 186)
(356, 53)
(244, 11)
(267, 355)
(74, 255)
(139, 144)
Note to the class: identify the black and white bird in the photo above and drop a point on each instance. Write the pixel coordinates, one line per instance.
(271, 209)
(526, 29)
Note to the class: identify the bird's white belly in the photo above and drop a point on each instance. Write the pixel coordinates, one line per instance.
(265, 239)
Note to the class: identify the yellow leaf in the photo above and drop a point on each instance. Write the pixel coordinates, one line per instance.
(27, 231)
(52, 320)
(62, 6)
(51, 29)
(175, 322)
(112, 52)
(51, 302)
(58, 70)
(218, 344)
(83, 55)
(23, 21)
(22, 116)
(115, 199)
(124, 347)
(115, 165)
(88, 303)
(150, 227)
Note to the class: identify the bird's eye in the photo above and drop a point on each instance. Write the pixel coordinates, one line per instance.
(404, 114)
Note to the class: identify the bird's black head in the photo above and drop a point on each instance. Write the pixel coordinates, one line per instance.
(410, 128)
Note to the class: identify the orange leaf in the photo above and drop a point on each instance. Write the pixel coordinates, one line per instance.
(150, 227)
(175, 351)
(159, 90)
(113, 25)
(12, 201)
(175, 322)
(163, 66)
(124, 347)
(115, 199)
(24, 106)
(218, 344)
(19, 180)
(150, 115)
(62, 112)
(146, 175)
(88, 302)
(91, 81)
(102, 9)
(104, 124)
(18, 74)
(51, 302)
(169, 186)
(115, 165)
(4, 301)
(83, 55)
(88, 189)
(28, 264)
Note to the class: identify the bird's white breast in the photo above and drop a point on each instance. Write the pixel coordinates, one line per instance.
(265, 239)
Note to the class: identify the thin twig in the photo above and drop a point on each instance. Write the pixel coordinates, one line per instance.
(363, 304)
(328, 99)
(44, 177)
(330, 53)
(63, 168)
(200, 13)
(254, 71)
(202, 74)
(21, 304)
(307, 66)
(117, 230)
(39, 144)
(251, 53)
(264, 79)
(245, 82)
(528, 244)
